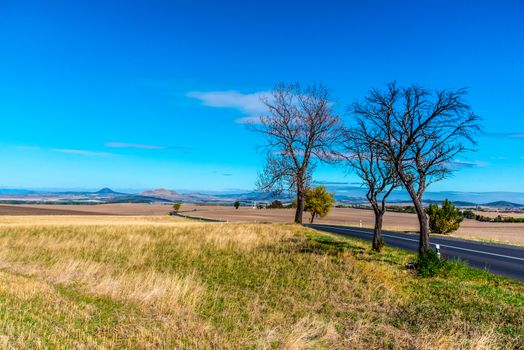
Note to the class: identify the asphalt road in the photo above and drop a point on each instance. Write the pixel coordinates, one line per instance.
(500, 259)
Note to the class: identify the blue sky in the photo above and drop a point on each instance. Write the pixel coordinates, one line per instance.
(145, 94)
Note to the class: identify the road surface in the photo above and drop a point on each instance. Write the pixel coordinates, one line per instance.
(500, 259)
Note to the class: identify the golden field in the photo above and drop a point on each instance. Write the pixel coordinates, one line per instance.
(105, 282)
(512, 233)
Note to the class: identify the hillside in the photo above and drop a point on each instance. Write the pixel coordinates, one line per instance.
(164, 194)
(342, 195)
(160, 282)
(503, 204)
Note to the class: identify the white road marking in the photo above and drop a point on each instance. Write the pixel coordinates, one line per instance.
(442, 245)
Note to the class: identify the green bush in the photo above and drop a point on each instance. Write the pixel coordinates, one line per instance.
(402, 209)
(236, 204)
(469, 214)
(318, 202)
(429, 264)
(176, 206)
(445, 219)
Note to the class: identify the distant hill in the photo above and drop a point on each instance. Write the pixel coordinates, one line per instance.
(464, 204)
(106, 190)
(343, 195)
(456, 203)
(164, 194)
(503, 204)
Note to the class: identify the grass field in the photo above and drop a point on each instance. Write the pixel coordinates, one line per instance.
(157, 282)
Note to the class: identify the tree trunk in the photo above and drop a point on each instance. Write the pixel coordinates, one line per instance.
(300, 207)
(378, 242)
(312, 217)
(423, 243)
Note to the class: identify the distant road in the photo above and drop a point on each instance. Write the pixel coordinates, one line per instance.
(501, 259)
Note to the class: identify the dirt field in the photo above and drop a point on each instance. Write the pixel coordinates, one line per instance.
(494, 214)
(506, 232)
(99, 209)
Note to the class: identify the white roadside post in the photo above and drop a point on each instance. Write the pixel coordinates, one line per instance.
(360, 224)
(437, 246)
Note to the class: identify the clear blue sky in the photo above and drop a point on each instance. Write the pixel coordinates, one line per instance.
(144, 94)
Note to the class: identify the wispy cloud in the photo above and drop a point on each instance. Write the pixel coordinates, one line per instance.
(227, 174)
(132, 145)
(82, 152)
(248, 120)
(467, 164)
(250, 104)
(331, 183)
(511, 135)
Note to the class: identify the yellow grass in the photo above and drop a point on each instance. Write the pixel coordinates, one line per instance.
(511, 233)
(160, 282)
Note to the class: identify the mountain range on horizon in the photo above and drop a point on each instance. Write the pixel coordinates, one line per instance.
(343, 195)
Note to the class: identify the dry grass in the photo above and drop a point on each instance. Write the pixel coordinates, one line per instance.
(470, 229)
(159, 282)
(83, 220)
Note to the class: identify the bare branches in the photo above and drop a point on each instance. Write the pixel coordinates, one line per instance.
(301, 129)
(370, 163)
(419, 133)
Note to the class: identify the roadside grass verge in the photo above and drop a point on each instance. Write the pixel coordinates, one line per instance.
(181, 284)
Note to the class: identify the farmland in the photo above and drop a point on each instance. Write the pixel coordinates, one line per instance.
(503, 232)
(162, 282)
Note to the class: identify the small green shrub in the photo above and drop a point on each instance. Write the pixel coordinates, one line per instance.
(318, 202)
(445, 219)
(469, 214)
(430, 264)
(236, 204)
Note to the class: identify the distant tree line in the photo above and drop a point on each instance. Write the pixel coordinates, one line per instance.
(470, 214)
(399, 137)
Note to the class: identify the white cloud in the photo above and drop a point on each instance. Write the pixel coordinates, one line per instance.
(511, 135)
(82, 152)
(132, 145)
(467, 164)
(247, 103)
(248, 120)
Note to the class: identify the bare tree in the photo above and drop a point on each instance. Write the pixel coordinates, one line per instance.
(365, 156)
(422, 133)
(301, 129)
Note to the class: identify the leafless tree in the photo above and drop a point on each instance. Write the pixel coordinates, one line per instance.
(421, 133)
(366, 157)
(301, 129)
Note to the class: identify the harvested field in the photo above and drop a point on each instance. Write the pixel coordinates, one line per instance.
(132, 209)
(494, 214)
(504, 232)
(472, 229)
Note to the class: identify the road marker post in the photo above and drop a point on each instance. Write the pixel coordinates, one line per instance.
(437, 246)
